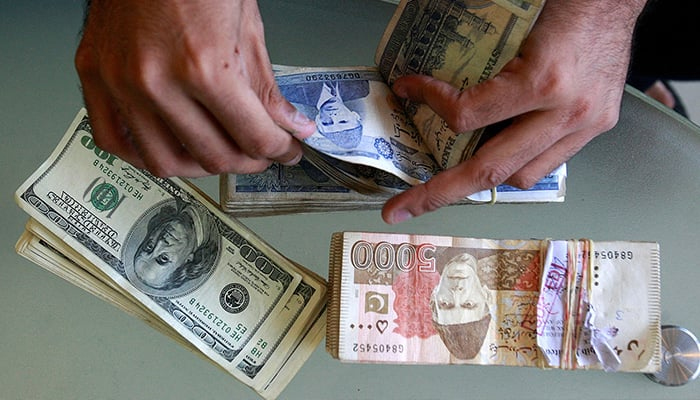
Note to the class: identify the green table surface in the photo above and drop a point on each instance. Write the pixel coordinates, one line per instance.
(641, 181)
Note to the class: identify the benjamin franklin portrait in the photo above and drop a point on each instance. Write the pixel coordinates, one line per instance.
(172, 249)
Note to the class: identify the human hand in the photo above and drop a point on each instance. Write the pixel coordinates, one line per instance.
(563, 89)
(185, 87)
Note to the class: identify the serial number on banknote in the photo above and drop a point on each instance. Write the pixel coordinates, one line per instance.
(235, 333)
(332, 76)
(614, 255)
(377, 348)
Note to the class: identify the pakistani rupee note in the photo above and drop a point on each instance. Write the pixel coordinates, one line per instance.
(166, 246)
(460, 42)
(421, 299)
(373, 143)
(303, 188)
(362, 137)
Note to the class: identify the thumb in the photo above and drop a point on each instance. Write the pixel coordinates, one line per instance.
(288, 117)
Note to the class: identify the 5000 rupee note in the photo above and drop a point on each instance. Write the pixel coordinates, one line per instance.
(446, 300)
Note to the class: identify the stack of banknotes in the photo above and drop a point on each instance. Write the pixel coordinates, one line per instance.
(420, 299)
(369, 144)
(162, 251)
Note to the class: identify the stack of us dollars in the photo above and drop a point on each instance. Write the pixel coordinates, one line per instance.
(161, 250)
(369, 144)
(569, 304)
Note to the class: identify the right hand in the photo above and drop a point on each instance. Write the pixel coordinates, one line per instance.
(563, 89)
(185, 88)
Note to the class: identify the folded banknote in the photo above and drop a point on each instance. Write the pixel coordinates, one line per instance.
(421, 299)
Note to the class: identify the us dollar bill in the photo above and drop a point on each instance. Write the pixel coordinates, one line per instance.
(166, 246)
(425, 299)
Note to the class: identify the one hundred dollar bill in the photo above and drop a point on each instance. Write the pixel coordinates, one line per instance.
(166, 246)
(423, 299)
(37, 245)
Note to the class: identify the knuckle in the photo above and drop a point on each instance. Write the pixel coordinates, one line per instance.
(493, 174)
(551, 84)
(585, 113)
(460, 120)
(146, 77)
(197, 70)
(83, 60)
(200, 67)
(608, 119)
(433, 199)
(578, 114)
(263, 148)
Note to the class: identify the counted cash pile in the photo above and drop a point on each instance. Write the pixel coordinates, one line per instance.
(162, 251)
(369, 144)
(569, 304)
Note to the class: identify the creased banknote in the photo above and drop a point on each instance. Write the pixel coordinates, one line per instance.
(422, 299)
(460, 42)
(166, 246)
(373, 143)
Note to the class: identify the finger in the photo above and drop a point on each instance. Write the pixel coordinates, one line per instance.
(244, 118)
(491, 101)
(288, 117)
(557, 154)
(490, 166)
(108, 130)
(161, 152)
(203, 137)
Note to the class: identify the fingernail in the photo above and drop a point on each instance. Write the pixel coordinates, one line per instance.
(304, 124)
(400, 216)
(301, 119)
(293, 161)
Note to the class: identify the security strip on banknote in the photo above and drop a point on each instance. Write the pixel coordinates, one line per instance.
(369, 144)
(163, 249)
(422, 299)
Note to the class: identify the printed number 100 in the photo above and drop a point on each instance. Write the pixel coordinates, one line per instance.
(385, 256)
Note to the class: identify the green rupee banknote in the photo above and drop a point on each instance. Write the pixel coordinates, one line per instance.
(168, 248)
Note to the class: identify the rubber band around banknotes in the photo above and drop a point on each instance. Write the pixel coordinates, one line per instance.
(494, 194)
(493, 200)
